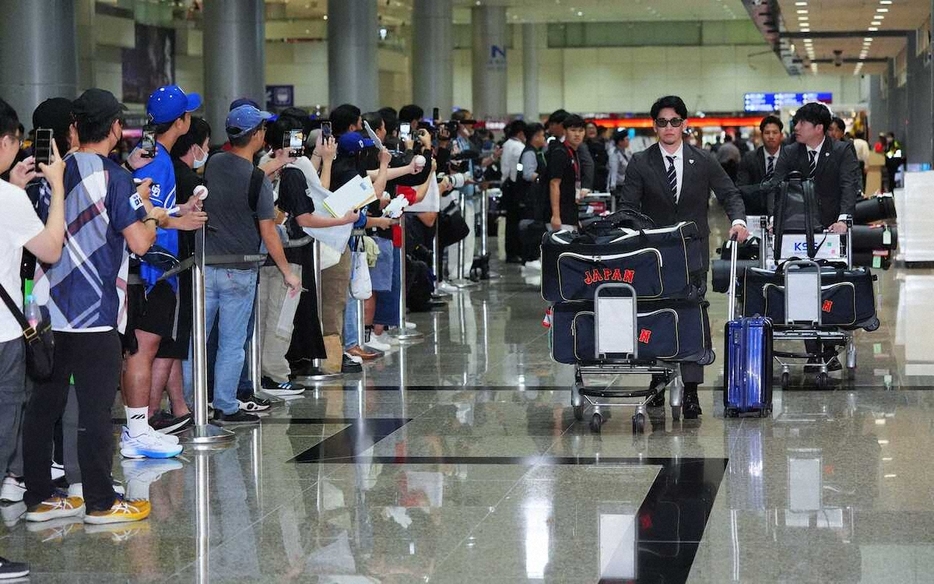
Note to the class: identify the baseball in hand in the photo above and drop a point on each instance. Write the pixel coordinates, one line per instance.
(419, 162)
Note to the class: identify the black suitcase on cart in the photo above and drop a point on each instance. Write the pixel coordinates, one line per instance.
(667, 331)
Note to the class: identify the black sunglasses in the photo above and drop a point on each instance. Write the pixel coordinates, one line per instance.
(675, 122)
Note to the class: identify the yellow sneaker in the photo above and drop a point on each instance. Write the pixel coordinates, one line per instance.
(122, 510)
(55, 507)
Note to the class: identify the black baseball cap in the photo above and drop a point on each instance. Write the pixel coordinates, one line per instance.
(98, 105)
(54, 113)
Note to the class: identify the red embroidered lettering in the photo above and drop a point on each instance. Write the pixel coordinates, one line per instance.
(596, 276)
(628, 276)
(644, 336)
(827, 306)
(607, 274)
(617, 276)
(588, 279)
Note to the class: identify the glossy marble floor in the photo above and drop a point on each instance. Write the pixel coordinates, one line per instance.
(457, 459)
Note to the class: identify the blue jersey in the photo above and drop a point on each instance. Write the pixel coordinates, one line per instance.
(162, 173)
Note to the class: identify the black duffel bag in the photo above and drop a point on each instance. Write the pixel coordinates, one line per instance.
(451, 226)
(667, 331)
(797, 210)
(625, 217)
(873, 209)
(720, 273)
(847, 296)
(870, 237)
(665, 263)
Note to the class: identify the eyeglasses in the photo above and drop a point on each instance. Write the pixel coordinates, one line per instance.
(13, 138)
(675, 122)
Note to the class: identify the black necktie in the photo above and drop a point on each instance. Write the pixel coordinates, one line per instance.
(770, 167)
(813, 155)
(672, 178)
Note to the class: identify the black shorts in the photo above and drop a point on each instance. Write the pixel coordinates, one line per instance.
(177, 347)
(155, 312)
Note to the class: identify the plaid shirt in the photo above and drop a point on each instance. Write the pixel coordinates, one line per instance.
(86, 289)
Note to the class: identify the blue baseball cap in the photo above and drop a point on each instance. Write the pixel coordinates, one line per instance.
(353, 142)
(244, 119)
(169, 103)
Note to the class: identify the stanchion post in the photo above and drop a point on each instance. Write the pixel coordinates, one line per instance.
(202, 433)
(401, 332)
(462, 281)
(319, 374)
(484, 221)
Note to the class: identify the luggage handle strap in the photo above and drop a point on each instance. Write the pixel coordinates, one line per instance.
(731, 299)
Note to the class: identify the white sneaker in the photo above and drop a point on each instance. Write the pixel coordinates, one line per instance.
(377, 346)
(354, 358)
(12, 513)
(384, 338)
(448, 287)
(12, 490)
(147, 445)
(410, 326)
(139, 474)
(536, 265)
(169, 439)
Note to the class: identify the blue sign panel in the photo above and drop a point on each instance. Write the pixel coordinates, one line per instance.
(770, 102)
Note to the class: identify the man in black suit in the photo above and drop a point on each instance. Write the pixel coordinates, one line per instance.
(837, 178)
(671, 182)
(759, 165)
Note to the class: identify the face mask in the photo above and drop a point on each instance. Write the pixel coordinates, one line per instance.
(199, 162)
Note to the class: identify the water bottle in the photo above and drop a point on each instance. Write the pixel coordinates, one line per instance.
(31, 311)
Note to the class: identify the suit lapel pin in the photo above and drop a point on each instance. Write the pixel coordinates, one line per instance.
(691, 160)
(826, 154)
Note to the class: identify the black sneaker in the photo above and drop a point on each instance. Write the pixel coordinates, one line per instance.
(10, 570)
(239, 417)
(285, 388)
(348, 365)
(166, 423)
(690, 407)
(253, 404)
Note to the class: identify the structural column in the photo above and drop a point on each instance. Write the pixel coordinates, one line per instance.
(489, 61)
(234, 57)
(353, 71)
(530, 107)
(432, 49)
(38, 53)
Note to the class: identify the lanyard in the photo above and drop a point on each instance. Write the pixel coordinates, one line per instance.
(575, 163)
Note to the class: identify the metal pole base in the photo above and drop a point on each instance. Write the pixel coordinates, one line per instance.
(206, 435)
(405, 335)
(273, 399)
(321, 376)
(464, 283)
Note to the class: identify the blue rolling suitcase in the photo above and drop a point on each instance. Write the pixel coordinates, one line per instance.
(747, 360)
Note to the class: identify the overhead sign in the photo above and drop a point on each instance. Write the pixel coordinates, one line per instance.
(770, 102)
(280, 96)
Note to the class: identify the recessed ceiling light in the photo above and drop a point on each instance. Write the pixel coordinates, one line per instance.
(801, 3)
(868, 39)
(805, 30)
(579, 13)
(875, 23)
(882, 9)
(885, 2)
(802, 11)
(873, 29)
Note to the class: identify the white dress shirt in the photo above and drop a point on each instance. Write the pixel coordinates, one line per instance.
(512, 152)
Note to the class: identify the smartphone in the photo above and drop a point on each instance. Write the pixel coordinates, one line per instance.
(294, 142)
(148, 144)
(325, 130)
(405, 131)
(435, 115)
(42, 149)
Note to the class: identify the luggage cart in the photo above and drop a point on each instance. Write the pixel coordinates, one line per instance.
(803, 309)
(617, 353)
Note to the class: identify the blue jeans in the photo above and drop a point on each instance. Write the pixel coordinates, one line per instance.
(351, 334)
(387, 302)
(228, 296)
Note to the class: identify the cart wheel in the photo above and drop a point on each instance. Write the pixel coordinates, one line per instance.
(675, 413)
(579, 413)
(638, 424)
(823, 380)
(730, 413)
(595, 423)
(786, 380)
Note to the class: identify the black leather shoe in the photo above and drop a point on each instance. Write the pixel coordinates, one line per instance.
(690, 407)
(348, 365)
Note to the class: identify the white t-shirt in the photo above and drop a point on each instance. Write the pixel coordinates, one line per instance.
(18, 224)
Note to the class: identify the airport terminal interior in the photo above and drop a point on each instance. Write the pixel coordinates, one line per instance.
(457, 455)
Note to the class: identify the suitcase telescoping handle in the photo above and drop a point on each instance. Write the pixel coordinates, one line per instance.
(731, 293)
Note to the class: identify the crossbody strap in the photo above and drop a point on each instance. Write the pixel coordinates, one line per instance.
(17, 313)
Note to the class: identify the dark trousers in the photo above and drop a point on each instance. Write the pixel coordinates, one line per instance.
(513, 215)
(95, 360)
